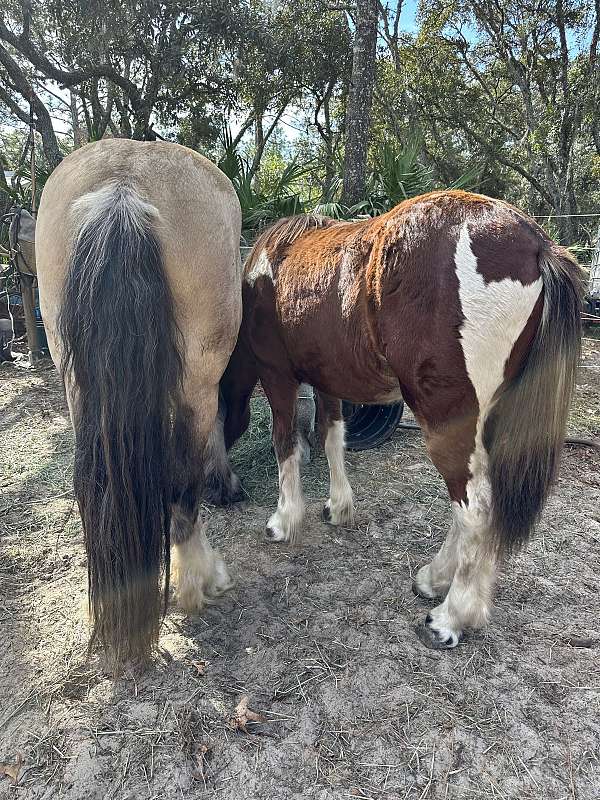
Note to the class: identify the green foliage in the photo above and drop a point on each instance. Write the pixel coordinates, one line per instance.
(483, 95)
(18, 192)
(262, 202)
(397, 175)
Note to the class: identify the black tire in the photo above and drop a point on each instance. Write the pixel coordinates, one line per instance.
(369, 426)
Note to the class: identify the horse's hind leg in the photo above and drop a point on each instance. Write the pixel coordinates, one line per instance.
(339, 508)
(434, 579)
(199, 572)
(448, 453)
(305, 421)
(465, 568)
(221, 485)
(285, 523)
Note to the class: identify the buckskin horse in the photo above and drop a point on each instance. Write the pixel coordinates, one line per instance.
(140, 285)
(454, 301)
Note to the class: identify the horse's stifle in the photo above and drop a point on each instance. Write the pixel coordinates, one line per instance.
(461, 305)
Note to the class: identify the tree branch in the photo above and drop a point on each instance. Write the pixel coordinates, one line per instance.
(44, 121)
(25, 46)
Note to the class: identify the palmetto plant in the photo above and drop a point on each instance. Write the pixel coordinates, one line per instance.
(397, 174)
(261, 206)
(19, 193)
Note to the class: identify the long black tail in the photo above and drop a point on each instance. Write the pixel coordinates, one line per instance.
(122, 367)
(525, 431)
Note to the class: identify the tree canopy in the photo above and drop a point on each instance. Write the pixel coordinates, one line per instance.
(347, 93)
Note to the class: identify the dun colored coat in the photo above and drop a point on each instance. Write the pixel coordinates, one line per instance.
(140, 285)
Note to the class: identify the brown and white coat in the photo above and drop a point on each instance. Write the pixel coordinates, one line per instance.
(461, 305)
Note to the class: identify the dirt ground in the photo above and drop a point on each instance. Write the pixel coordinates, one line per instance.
(317, 639)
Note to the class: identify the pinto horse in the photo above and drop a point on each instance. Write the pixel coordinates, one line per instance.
(140, 286)
(456, 302)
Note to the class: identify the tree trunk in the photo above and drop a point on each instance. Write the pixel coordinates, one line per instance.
(46, 129)
(360, 96)
(259, 141)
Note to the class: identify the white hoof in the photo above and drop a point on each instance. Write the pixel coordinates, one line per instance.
(443, 633)
(277, 530)
(423, 586)
(283, 527)
(341, 515)
(199, 573)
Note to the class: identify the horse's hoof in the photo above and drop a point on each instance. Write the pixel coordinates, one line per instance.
(236, 496)
(222, 580)
(422, 593)
(340, 516)
(422, 587)
(417, 592)
(273, 534)
(434, 639)
(222, 492)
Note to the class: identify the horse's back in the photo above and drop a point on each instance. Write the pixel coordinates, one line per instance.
(358, 305)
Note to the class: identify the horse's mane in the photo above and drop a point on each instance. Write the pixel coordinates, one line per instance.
(287, 230)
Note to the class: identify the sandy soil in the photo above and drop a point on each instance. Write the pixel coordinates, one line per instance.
(318, 638)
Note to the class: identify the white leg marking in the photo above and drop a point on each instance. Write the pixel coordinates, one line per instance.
(494, 314)
(469, 599)
(434, 579)
(198, 571)
(285, 523)
(340, 506)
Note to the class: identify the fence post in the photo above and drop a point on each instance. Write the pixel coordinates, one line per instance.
(28, 298)
(594, 284)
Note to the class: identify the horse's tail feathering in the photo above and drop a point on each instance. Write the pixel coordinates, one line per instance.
(524, 433)
(121, 359)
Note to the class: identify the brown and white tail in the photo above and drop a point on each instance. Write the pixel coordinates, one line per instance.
(121, 359)
(525, 430)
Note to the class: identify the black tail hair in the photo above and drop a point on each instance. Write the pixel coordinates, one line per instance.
(525, 430)
(122, 366)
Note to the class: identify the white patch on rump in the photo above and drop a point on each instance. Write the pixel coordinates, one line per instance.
(494, 314)
(261, 267)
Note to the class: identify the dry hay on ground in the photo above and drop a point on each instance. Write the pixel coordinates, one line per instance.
(314, 651)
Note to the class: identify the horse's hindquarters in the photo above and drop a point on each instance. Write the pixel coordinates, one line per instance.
(140, 285)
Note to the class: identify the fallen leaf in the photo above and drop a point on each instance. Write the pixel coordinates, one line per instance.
(12, 770)
(199, 774)
(200, 666)
(242, 716)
